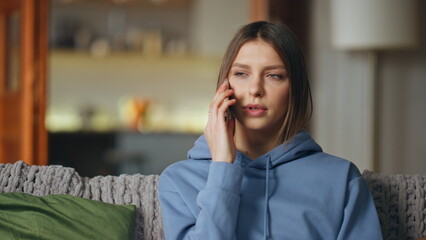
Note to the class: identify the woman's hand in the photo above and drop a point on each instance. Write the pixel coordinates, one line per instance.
(219, 131)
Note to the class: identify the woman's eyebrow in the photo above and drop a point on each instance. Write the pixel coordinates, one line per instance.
(240, 65)
(278, 66)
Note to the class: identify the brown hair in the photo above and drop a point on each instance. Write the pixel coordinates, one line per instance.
(283, 40)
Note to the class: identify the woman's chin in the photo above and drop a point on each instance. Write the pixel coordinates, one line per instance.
(257, 125)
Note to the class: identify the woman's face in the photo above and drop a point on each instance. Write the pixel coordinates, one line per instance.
(261, 86)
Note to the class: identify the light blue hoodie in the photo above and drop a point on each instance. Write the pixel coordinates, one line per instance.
(293, 192)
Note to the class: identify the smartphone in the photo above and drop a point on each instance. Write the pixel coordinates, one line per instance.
(228, 115)
(228, 112)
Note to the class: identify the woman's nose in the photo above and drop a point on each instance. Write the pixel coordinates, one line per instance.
(256, 87)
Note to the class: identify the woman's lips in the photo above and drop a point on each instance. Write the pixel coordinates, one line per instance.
(255, 110)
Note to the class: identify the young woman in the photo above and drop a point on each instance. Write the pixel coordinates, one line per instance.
(255, 173)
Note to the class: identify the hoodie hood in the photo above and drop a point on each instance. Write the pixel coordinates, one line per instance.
(299, 146)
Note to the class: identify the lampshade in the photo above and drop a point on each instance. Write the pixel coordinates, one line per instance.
(374, 24)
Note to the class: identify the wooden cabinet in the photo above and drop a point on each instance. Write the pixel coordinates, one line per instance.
(23, 51)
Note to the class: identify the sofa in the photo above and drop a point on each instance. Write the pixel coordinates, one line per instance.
(399, 199)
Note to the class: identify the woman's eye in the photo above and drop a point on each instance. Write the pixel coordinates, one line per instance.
(275, 76)
(240, 74)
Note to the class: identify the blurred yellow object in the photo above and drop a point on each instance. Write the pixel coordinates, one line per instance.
(133, 111)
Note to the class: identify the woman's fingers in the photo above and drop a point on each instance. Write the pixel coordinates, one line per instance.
(221, 102)
(219, 130)
(219, 109)
(218, 113)
(220, 97)
(223, 108)
(222, 89)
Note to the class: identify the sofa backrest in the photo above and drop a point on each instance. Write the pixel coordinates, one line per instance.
(138, 190)
(400, 203)
(400, 199)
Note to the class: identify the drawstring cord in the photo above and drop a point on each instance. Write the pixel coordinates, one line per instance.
(266, 218)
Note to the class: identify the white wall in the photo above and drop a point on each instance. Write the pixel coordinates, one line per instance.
(215, 22)
(403, 146)
(342, 100)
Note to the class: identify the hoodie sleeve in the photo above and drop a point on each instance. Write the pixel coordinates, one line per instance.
(360, 220)
(218, 206)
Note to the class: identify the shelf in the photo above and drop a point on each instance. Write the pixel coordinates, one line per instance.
(179, 90)
(124, 3)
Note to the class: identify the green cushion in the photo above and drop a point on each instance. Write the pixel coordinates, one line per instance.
(23, 216)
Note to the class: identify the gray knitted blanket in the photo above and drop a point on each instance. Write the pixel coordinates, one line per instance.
(135, 189)
(400, 203)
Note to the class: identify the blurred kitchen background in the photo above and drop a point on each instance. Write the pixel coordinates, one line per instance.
(129, 81)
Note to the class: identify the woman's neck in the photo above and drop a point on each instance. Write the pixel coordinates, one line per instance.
(255, 143)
